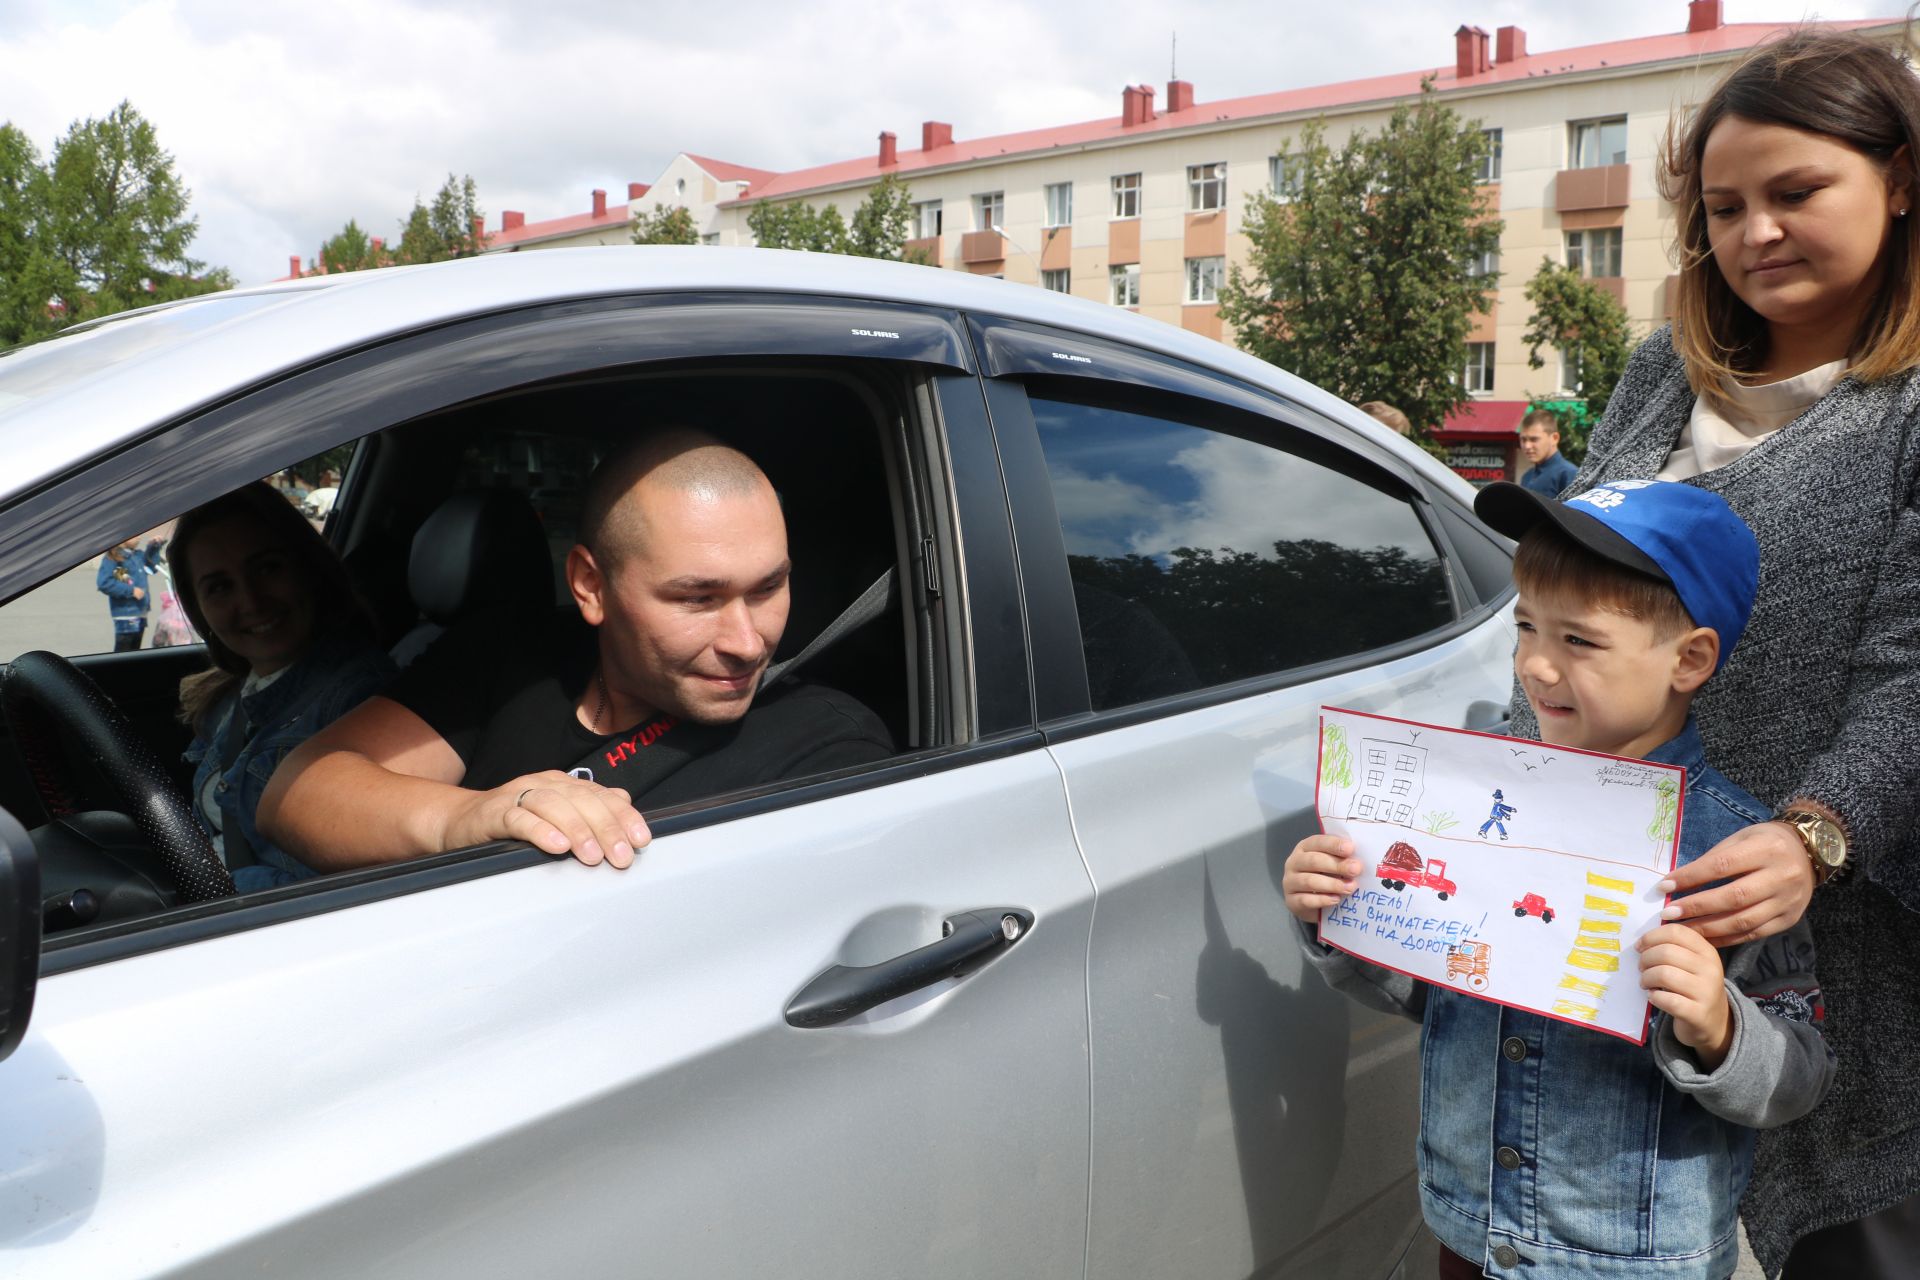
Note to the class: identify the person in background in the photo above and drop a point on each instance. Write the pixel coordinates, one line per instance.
(292, 647)
(1540, 441)
(1388, 416)
(122, 579)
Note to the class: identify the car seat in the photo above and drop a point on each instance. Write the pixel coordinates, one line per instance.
(479, 551)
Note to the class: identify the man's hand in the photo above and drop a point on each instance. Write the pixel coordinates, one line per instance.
(554, 812)
(1320, 871)
(1684, 979)
(1770, 882)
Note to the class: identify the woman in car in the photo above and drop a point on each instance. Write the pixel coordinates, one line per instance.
(293, 649)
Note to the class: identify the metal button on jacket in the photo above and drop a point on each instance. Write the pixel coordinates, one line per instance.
(1515, 1048)
(1506, 1255)
(1508, 1158)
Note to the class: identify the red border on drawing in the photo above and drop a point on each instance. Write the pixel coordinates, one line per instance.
(1673, 857)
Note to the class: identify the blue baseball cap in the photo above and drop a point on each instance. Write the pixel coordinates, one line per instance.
(1684, 536)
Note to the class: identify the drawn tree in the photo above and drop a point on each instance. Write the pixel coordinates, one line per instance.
(1666, 808)
(1336, 762)
(1433, 822)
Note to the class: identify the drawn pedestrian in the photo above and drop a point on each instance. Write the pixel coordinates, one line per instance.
(1498, 815)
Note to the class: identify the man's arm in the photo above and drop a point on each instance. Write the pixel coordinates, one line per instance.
(380, 785)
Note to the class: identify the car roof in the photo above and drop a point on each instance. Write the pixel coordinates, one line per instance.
(164, 362)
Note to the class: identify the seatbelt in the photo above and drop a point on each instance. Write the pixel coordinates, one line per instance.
(872, 603)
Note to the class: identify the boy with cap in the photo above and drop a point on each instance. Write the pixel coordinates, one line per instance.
(1548, 1149)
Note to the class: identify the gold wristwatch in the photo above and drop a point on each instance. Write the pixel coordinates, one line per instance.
(1826, 842)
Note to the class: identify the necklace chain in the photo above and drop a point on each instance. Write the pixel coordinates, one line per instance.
(600, 708)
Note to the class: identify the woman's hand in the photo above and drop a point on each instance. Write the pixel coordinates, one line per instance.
(1320, 871)
(1685, 980)
(1770, 882)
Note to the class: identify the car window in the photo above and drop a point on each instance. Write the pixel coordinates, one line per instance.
(92, 608)
(1200, 557)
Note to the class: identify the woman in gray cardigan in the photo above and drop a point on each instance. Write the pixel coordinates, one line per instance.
(1788, 386)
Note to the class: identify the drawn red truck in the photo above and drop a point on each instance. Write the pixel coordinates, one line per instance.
(1401, 866)
(1533, 905)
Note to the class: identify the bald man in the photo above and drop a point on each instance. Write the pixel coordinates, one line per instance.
(648, 695)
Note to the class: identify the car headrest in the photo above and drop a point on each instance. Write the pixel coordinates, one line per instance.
(477, 551)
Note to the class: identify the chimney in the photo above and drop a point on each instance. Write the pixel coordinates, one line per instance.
(1136, 104)
(635, 190)
(1510, 45)
(480, 228)
(1470, 52)
(934, 134)
(512, 220)
(889, 149)
(599, 202)
(1704, 15)
(379, 243)
(1179, 95)
(293, 265)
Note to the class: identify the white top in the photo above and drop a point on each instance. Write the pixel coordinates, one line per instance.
(1711, 441)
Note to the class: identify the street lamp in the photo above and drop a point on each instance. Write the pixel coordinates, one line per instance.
(1038, 274)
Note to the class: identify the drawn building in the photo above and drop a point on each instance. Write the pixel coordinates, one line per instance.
(1390, 779)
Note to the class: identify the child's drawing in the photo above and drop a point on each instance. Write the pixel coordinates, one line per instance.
(1498, 815)
(1562, 897)
(1533, 905)
(1402, 867)
(1470, 960)
(1392, 780)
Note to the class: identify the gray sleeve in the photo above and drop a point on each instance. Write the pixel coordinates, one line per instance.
(1778, 1067)
(1363, 983)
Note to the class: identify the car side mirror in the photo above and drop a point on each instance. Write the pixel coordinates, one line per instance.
(19, 931)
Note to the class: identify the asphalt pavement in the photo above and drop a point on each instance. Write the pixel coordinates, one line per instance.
(66, 615)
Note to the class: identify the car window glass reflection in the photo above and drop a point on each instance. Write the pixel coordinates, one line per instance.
(1199, 557)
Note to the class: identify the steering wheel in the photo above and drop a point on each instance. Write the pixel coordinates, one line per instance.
(42, 693)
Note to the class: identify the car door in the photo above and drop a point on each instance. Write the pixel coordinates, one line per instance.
(1205, 566)
(494, 1063)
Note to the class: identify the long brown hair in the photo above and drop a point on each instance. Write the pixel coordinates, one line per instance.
(335, 601)
(1843, 86)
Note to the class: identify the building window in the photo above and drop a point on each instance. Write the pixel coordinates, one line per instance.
(1123, 288)
(1406, 764)
(1060, 281)
(1479, 374)
(1283, 173)
(712, 237)
(1376, 756)
(1126, 195)
(926, 218)
(1059, 204)
(1203, 278)
(1375, 778)
(1206, 187)
(1594, 253)
(1487, 264)
(1571, 378)
(990, 211)
(1593, 144)
(1490, 164)
(1401, 787)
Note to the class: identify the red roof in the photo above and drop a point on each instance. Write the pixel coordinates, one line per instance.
(1485, 418)
(572, 224)
(727, 172)
(1593, 57)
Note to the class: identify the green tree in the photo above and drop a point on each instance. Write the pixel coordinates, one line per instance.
(443, 229)
(116, 219)
(880, 224)
(351, 249)
(670, 224)
(1363, 279)
(797, 225)
(1591, 330)
(29, 280)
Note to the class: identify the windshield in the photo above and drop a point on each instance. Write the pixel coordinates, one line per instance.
(46, 368)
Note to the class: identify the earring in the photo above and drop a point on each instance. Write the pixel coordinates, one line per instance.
(1899, 213)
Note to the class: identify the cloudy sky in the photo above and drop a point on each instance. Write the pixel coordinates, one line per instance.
(287, 119)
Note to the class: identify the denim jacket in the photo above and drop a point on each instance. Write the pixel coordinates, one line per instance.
(342, 671)
(1549, 1150)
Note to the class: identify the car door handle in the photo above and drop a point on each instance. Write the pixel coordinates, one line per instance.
(968, 940)
(1487, 717)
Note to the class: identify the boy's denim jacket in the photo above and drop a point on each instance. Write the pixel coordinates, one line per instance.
(343, 670)
(117, 581)
(1550, 1150)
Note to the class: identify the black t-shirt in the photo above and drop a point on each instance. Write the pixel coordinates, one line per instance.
(502, 692)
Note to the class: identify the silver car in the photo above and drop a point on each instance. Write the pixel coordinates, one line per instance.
(1022, 1000)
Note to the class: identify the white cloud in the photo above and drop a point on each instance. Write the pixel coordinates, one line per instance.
(286, 119)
